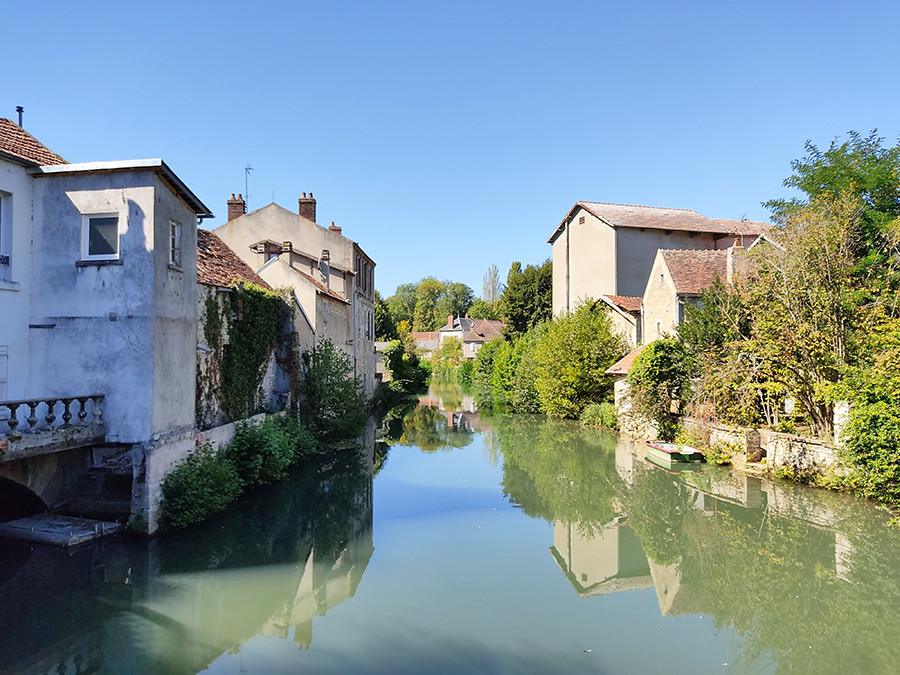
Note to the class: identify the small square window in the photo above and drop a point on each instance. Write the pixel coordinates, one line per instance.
(175, 243)
(100, 237)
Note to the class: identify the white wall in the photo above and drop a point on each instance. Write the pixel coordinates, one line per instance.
(15, 224)
(637, 251)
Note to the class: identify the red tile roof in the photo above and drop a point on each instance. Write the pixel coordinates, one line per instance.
(623, 365)
(218, 265)
(475, 330)
(694, 271)
(659, 218)
(19, 144)
(627, 303)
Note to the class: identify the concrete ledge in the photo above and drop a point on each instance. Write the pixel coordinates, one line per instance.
(51, 441)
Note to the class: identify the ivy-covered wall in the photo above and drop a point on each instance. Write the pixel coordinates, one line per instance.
(246, 357)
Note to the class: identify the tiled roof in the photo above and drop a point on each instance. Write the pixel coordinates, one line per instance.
(623, 365)
(18, 143)
(322, 288)
(218, 265)
(627, 303)
(475, 330)
(694, 271)
(659, 218)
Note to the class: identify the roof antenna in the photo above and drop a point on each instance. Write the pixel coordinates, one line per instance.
(20, 110)
(247, 170)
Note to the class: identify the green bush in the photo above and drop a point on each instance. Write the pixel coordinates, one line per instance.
(446, 361)
(571, 359)
(523, 396)
(483, 374)
(503, 375)
(599, 415)
(408, 374)
(332, 402)
(658, 380)
(464, 374)
(204, 484)
(262, 453)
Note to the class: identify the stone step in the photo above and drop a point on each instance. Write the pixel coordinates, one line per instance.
(58, 530)
(102, 507)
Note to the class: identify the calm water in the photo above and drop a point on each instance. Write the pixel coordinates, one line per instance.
(486, 545)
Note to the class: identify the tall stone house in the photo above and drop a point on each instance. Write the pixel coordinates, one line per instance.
(602, 249)
(330, 275)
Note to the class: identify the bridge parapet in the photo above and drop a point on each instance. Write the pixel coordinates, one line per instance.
(40, 426)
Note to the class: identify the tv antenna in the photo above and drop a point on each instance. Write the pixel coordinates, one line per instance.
(247, 170)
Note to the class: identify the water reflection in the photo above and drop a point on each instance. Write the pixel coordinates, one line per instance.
(809, 579)
(269, 566)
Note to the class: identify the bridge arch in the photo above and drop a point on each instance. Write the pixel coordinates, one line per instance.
(18, 501)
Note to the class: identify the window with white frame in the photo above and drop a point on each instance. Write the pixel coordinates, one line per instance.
(175, 243)
(100, 236)
(5, 234)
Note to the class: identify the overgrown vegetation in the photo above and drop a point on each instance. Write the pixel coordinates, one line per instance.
(599, 416)
(204, 484)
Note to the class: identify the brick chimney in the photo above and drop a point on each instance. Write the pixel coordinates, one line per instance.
(737, 264)
(337, 229)
(449, 321)
(236, 207)
(308, 206)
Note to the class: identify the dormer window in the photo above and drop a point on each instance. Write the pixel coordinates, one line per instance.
(100, 236)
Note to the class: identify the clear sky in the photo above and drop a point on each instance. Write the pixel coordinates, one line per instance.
(446, 136)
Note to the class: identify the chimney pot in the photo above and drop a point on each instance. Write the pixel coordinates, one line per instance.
(236, 207)
(307, 206)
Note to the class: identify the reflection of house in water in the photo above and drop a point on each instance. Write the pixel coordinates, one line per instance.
(607, 561)
(459, 408)
(177, 604)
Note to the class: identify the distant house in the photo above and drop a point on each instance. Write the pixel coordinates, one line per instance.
(608, 249)
(426, 342)
(472, 333)
(677, 279)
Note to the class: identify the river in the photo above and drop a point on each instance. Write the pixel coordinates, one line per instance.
(482, 545)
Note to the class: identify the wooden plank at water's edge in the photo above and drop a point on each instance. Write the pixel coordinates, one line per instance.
(57, 530)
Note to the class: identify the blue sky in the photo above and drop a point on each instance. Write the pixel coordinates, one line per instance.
(447, 136)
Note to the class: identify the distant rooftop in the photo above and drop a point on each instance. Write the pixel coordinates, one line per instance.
(694, 271)
(661, 218)
(218, 265)
(18, 144)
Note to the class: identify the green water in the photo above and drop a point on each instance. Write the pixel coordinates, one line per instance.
(481, 545)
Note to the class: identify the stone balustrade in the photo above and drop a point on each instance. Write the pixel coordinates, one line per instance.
(38, 426)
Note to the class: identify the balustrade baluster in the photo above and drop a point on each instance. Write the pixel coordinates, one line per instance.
(32, 415)
(82, 413)
(98, 408)
(51, 416)
(13, 420)
(66, 416)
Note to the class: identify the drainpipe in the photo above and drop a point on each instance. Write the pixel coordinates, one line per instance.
(568, 302)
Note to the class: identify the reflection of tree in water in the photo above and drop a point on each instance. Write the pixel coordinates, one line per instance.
(430, 430)
(782, 583)
(559, 471)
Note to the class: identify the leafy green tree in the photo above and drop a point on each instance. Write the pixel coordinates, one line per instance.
(332, 401)
(402, 304)
(527, 298)
(427, 315)
(480, 309)
(385, 328)
(523, 395)
(483, 374)
(571, 360)
(455, 299)
(446, 360)
(658, 380)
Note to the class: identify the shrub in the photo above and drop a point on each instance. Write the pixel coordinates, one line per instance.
(446, 360)
(523, 396)
(599, 415)
(262, 453)
(483, 373)
(332, 402)
(571, 359)
(408, 374)
(204, 484)
(503, 375)
(658, 380)
(464, 374)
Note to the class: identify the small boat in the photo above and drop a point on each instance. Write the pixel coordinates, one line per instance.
(669, 454)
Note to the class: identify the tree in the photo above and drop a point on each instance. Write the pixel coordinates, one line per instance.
(426, 315)
(491, 287)
(446, 360)
(385, 328)
(480, 309)
(527, 298)
(402, 304)
(571, 361)
(658, 380)
(333, 404)
(455, 299)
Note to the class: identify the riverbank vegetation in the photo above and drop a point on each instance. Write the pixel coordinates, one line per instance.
(813, 321)
(331, 414)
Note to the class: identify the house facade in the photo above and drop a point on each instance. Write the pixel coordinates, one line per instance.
(472, 333)
(608, 249)
(330, 275)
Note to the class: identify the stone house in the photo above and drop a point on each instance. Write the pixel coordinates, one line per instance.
(625, 314)
(472, 333)
(331, 276)
(99, 293)
(425, 341)
(609, 249)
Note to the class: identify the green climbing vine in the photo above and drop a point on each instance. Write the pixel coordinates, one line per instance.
(256, 322)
